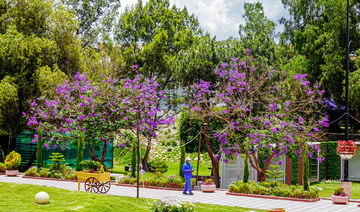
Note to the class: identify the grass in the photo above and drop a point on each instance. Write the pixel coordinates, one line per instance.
(20, 197)
(173, 169)
(329, 187)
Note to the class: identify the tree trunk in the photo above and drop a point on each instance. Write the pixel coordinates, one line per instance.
(102, 158)
(262, 176)
(254, 162)
(146, 156)
(214, 161)
(2, 159)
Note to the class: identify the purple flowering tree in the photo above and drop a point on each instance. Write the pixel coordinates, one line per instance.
(265, 112)
(98, 110)
(144, 114)
(81, 107)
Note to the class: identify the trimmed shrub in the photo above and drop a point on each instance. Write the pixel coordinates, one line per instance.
(157, 165)
(279, 189)
(2, 167)
(13, 160)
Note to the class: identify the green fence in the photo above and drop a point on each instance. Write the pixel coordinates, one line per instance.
(28, 153)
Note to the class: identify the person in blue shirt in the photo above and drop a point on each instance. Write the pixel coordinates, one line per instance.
(187, 169)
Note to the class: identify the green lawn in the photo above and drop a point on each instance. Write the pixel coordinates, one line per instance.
(173, 169)
(329, 187)
(20, 197)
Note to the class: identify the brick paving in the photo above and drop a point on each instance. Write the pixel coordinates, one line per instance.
(218, 198)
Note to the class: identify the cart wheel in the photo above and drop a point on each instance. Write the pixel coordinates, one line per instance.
(104, 187)
(91, 185)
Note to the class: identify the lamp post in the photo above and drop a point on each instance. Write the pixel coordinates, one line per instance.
(351, 56)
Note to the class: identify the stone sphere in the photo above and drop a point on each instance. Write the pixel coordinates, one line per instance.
(42, 198)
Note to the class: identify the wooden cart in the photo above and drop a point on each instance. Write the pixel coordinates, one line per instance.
(95, 182)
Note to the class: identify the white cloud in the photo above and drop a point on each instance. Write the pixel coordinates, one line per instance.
(221, 18)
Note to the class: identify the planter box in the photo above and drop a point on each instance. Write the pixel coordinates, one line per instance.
(277, 210)
(11, 173)
(339, 199)
(273, 197)
(208, 188)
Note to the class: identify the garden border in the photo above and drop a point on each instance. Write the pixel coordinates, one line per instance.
(273, 197)
(48, 178)
(151, 187)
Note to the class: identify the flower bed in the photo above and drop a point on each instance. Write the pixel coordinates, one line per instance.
(65, 173)
(270, 189)
(152, 179)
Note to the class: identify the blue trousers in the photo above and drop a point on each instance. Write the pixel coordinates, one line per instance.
(187, 186)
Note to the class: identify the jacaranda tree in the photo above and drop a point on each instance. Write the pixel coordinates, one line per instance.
(269, 111)
(96, 111)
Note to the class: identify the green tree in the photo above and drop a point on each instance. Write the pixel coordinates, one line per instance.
(155, 33)
(258, 33)
(39, 149)
(274, 174)
(182, 159)
(316, 29)
(80, 153)
(133, 158)
(246, 165)
(33, 34)
(306, 170)
(195, 64)
(96, 18)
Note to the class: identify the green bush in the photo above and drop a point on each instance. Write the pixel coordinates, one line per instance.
(339, 191)
(57, 159)
(329, 169)
(13, 160)
(272, 189)
(151, 179)
(172, 206)
(91, 165)
(157, 165)
(65, 173)
(2, 167)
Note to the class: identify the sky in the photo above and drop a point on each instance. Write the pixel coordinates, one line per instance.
(221, 18)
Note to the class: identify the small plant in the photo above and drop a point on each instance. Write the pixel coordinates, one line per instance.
(208, 182)
(102, 169)
(340, 192)
(91, 165)
(57, 158)
(275, 173)
(13, 160)
(2, 167)
(158, 166)
(172, 206)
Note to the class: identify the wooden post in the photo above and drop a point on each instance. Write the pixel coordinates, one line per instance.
(288, 170)
(197, 169)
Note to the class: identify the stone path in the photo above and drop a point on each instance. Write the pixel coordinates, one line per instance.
(218, 198)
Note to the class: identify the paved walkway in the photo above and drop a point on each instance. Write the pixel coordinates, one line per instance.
(219, 197)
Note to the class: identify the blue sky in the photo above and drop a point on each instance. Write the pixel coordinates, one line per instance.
(221, 18)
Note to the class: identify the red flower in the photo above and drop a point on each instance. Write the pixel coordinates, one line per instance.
(346, 147)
